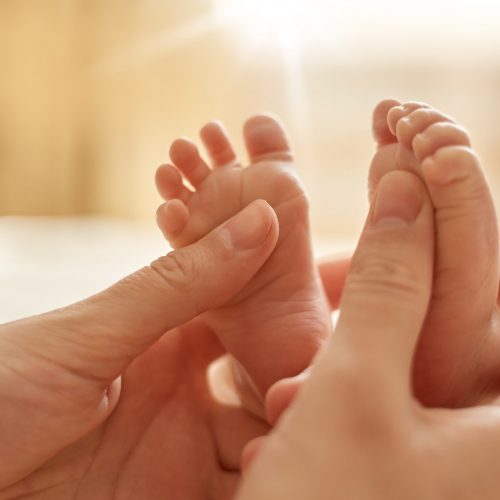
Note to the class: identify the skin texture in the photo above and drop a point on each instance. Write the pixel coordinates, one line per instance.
(456, 360)
(80, 449)
(370, 438)
(97, 438)
(99, 402)
(283, 308)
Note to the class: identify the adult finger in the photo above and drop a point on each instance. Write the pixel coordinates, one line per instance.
(100, 336)
(387, 292)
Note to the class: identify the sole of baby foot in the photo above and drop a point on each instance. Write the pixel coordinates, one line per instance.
(275, 324)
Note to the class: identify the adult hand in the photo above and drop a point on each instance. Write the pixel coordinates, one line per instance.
(95, 402)
(355, 430)
(456, 362)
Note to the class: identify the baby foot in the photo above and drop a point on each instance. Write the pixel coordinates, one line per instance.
(457, 359)
(276, 324)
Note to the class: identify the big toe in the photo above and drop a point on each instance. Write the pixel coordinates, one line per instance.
(266, 139)
(467, 239)
(466, 275)
(467, 236)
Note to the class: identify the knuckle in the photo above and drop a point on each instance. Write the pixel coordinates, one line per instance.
(384, 275)
(178, 269)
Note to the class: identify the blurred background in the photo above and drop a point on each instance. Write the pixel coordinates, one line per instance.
(92, 92)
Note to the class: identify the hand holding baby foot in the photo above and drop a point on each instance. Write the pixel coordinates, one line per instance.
(355, 430)
(108, 398)
(275, 325)
(456, 362)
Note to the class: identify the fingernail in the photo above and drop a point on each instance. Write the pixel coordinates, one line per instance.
(398, 200)
(250, 228)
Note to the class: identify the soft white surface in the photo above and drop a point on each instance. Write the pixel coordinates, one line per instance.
(47, 263)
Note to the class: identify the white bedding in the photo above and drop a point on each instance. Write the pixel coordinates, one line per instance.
(47, 262)
(50, 262)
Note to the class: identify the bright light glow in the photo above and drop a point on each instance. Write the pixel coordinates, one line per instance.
(337, 27)
(287, 30)
(333, 29)
(278, 24)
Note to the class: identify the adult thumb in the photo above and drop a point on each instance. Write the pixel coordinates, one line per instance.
(100, 336)
(387, 291)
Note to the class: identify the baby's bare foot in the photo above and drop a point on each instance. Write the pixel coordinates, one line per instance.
(275, 325)
(455, 363)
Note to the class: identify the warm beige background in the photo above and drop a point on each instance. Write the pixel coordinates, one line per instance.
(91, 93)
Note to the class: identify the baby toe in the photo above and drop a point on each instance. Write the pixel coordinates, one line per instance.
(186, 157)
(380, 127)
(169, 184)
(467, 235)
(266, 139)
(439, 135)
(416, 122)
(172, 218)
(399, 112)
(218, 145)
